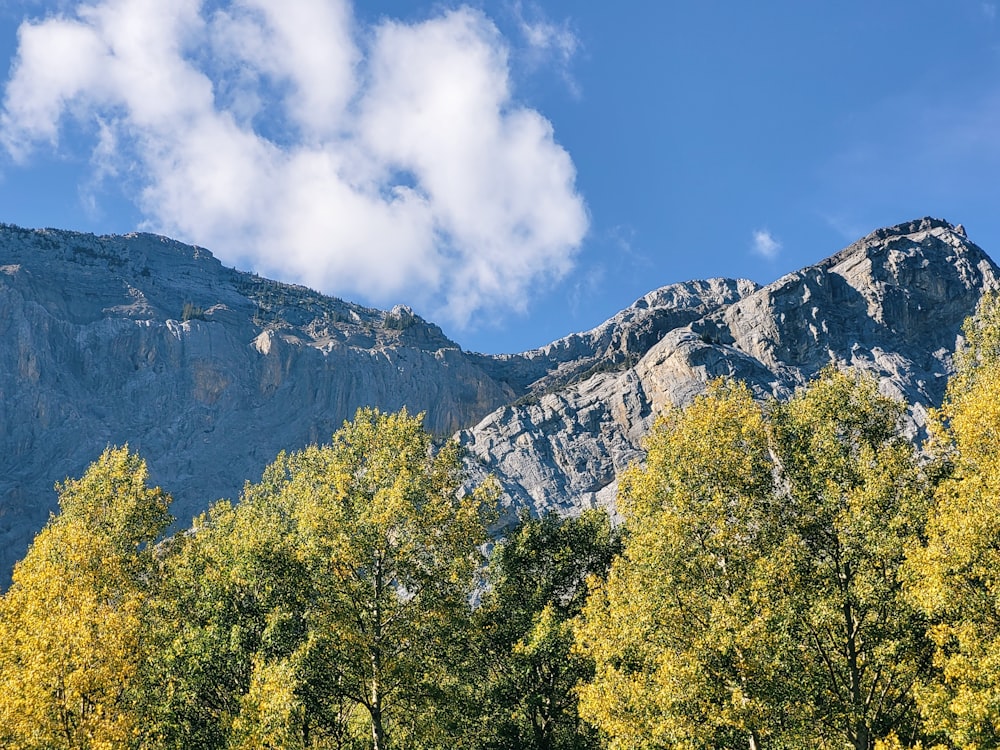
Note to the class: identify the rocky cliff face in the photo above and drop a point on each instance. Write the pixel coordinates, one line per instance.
(891, 304)
(209, 372)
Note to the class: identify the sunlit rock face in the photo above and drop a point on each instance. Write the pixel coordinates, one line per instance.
(208, 372)
(892, 305)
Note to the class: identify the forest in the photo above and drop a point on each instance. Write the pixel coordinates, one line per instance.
(787, 574)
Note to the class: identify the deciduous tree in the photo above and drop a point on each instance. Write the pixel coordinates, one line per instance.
(687, 650)
(758, 601)
(74, 624)
(855, 500)
(230, 621)
(392, 549)
(953, 576)
(330, 600)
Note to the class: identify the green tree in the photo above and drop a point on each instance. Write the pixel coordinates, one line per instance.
(230, 621)
(392, 549)
(330, 603)
(952, 576)
(537, 584)
(74, 625)
(855, 501)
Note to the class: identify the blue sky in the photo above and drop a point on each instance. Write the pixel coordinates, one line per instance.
(513, 170)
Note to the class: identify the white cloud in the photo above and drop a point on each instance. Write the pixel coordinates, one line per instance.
(545, 36)
(989, 11)
(765, 244)
(548, 42)
(401, 169)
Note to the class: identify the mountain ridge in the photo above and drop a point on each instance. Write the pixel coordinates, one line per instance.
(891, 304)
(209, 371)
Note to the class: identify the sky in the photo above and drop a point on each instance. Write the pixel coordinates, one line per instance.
(513, 170)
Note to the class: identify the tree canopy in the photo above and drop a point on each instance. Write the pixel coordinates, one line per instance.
(757, 602)
(523, 632)
(787, 574)
(953, 574)
(75, 623)
(326, 605)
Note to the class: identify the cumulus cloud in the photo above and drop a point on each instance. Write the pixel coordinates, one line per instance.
(765, 244)
(397, 168)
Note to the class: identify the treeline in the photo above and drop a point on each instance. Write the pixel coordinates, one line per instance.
(332, 607)
(788, 575)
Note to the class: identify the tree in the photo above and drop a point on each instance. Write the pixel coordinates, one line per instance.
(537, 584)
(392, 550)
(329, 600)
(686, 649)
(74, 625)
(758, 601)
(952, 576)
(230, 621)
(856, 500)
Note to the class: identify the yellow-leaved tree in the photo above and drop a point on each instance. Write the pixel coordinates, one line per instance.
(855, 498)
(955, 576)
(74, 624)
(758, 601)
(687, 648)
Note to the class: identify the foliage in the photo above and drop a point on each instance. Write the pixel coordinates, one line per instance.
(856, 500)
(192, 311)
(790, 575)
(686, 653)
(326, 605)
(757, 600)
(537, 578)
(392, 551)
(233, 601)
(954, 573)
(74, 643)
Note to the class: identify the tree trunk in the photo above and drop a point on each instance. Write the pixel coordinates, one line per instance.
(379, 740)
(861, 736)
(860, 730)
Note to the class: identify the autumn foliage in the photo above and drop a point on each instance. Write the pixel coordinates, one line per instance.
(787, 575)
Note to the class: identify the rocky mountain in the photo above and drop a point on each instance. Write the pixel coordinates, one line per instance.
(209, 371)
(891, 304)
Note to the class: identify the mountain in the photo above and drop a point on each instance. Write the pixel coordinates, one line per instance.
(210, 371)
(891, 304)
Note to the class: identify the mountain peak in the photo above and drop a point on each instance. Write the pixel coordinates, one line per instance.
(891, 305)
(925, 224)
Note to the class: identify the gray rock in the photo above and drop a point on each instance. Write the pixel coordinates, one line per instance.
(208, 372)
(94, 351)
(891, 304)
